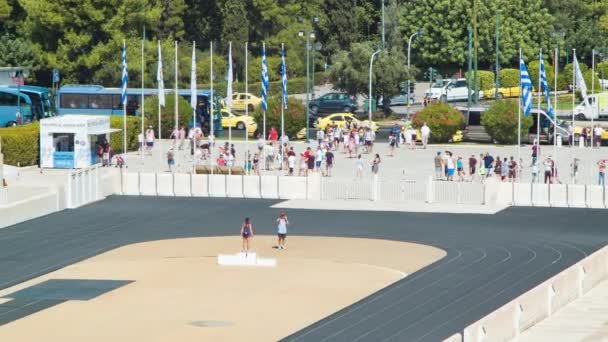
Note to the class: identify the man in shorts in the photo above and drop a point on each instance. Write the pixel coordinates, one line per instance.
(368, 139)
(512, 169)
(438, 166)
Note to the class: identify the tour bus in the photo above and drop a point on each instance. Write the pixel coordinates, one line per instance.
(13, 113)
(98, 100)
(42, 103)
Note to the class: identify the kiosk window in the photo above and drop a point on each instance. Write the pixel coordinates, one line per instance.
(63, 142)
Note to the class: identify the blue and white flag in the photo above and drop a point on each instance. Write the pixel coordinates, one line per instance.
(545, 86)
(284, 76)
(125, 74)
(264, 79)
(159, 79)
(526, 87)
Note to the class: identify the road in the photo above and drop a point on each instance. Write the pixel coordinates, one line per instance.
(490, 259)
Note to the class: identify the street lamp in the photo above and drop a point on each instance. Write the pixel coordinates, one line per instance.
(309, 35)
(317, 47)
(409, 43)
(369, 100)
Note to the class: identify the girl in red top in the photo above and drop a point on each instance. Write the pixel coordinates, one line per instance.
(246, 234)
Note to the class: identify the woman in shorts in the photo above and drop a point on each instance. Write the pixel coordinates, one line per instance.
(282, 223)
(246, 234)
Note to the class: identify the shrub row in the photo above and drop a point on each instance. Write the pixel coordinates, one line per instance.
(20, 144)
(442, 119)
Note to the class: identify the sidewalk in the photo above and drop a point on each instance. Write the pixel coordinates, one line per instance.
(585, 319)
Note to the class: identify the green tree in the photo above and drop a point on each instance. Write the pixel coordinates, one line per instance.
(15, 52)
(235, 29)
(389, 72)
(171, 24)
(349, 72)
(5, 10)
(294, 116)
(167, 113)
(501, 123)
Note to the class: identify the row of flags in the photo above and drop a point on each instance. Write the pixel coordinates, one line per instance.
(527, 88)
(193, 86)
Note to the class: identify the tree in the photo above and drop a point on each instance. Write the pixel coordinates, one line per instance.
(235, 29)
(171, 24)
(389, 72)
(294, 116)
(167, 114)
(350, 70)
(15, 52)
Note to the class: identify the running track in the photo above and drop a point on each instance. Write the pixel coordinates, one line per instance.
(491, 258)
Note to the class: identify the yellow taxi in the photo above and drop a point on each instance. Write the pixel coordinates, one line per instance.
(341, 119)
(241, 101)
(502, 92)
(238, 121)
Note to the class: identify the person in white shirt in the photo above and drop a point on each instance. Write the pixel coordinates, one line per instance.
(320, 136)
(229, 160)
(597, 132)
(291, 163)
(282, 223)
(318, 159)
(425, 132)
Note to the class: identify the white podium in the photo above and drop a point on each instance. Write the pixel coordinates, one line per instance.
(245, 259)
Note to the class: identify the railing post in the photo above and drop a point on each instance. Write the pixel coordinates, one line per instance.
(139, 183)
(69, 191)
(156, 183)
(430, 190)
(568, 195)
(549, 194)
(260, 186)
(532, 193)
(191, 191)
(173, 183)
(375, 188)
(586, 202)
(483, 193)
(512, 193)
(458, 193)
(122, 186)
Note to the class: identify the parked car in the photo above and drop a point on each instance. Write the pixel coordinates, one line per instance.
(503, 92)
(333, 103)
(398, 100)
(546, 128)
(341, 119)
(238, 121)
(452, 90)
(241, 101)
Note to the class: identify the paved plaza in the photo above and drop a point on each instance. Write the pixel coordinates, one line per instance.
(406, 164)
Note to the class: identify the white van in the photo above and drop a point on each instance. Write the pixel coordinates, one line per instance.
(598, 108)
(452, 90)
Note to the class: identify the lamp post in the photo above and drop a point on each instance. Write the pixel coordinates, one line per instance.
(369, 100)
(497, 68)
(409, 43)
(382, 24)
(317, 47)
(309, 35)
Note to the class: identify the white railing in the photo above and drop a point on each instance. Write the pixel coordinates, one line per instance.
(83, 187)
(316, 187)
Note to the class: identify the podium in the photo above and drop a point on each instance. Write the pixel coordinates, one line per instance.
(245, 259)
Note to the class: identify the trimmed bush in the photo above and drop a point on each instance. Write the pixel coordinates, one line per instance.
(500, 122)
(509, 78)
(167, 117)
(295, 116)
(485, 79)
(21, 144)
(587, 76)
(564, 79)
(442, 119)
(533, 70)
(133, 130)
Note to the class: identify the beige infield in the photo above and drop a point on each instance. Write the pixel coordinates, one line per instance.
(179, 293)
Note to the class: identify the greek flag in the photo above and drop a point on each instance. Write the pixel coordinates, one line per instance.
(125, 74)
(159, 79)
(545, 85)
(284, 76)
(264, 79)
(526, 87)
(230, 78)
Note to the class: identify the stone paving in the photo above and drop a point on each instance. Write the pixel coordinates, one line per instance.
(406, 164)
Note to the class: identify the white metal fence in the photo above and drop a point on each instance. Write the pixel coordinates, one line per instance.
(316, 187)
(83, 187)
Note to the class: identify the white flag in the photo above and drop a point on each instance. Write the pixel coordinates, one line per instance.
(159, 79)
(230, 77)
(580, 82)
(193, 78)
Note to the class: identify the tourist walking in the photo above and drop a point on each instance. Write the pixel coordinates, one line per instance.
(472, 166)
(392, 142)
(170, 159)
(425, 132)
(601, 172)
(376, 164)
(535, 172)
(438, 166)
(535, 151)
(359, 165)
(329, 162)
(548, 164)
(282, 223)
(246, 235)
(512, 169)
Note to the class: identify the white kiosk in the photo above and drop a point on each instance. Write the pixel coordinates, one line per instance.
(70, 141)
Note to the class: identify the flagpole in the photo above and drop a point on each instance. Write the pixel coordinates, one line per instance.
(573, 122)
(159, 90)
(211, 131)
(142, 113)
(176, 128)
(246, 106)
(592, 92)
(193, 85)
(230, 99)
(282, 105)
(264, 118)
(124, 103)
(556, 62)
(538, 113)
(519, 117)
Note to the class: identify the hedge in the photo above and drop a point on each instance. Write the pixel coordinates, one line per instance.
(21, 144)
(509, 78)
(133, 130)
(485, 79)
(442, 119)
(295, 116)
(167, 114)
(500, 122)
